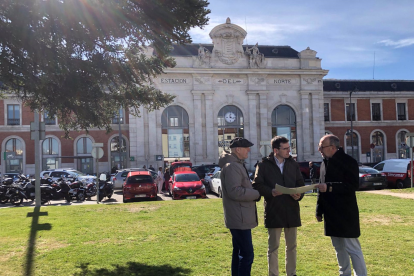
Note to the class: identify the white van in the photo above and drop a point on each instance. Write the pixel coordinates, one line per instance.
(397, 171)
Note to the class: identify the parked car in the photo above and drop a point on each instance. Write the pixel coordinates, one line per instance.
(59, 173)
(207, 178)
(397, 171)
(179, 164)
(51, 170)
(370, 178)
(186, 184)
(11, 175)
(120, 176)
(139, 184)
(216, 184)
(304, 169)
(201, 170)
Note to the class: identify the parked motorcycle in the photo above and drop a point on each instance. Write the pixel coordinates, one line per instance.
(14, 194)
(106, 189)
(76, 190)
(90, 190)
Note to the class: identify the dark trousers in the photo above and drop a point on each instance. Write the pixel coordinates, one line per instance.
(243, 254)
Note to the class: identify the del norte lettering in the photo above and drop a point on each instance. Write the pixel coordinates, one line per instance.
(173, 80)
(284, 81)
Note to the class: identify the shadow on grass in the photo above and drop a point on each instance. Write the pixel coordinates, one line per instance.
(133, 269)
(35, 227)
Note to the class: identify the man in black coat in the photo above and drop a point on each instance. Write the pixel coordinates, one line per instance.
(281, 211)
(337, 205)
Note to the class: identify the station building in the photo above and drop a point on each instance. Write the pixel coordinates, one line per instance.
(223, 90)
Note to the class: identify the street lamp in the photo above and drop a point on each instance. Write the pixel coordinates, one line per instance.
(120, 139)
(351, 113)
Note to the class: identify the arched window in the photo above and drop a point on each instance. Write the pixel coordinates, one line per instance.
(403, 149)
(118, 153)
(50, 152)
(378, 151)
(84, 148)
(175, 132)
(230, 125)
(14, 156)
(352, 148)
(284, 124)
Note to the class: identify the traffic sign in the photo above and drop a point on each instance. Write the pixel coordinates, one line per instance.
(97, 153)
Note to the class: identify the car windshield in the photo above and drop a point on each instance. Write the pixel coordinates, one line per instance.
(186, 177)
(135, 179)
(368, 170)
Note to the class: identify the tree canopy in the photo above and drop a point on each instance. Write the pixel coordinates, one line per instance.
(81, 60)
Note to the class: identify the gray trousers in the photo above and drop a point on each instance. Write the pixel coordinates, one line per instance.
(349, 248)
(272, 253)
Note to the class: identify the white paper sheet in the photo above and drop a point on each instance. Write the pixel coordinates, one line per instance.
(299, 190)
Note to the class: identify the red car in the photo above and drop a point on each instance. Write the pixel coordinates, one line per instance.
(139, 184)
(186, 184)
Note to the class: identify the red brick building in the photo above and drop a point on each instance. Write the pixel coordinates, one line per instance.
(384, 113)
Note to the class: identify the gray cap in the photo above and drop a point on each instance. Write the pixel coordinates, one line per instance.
(240, 142)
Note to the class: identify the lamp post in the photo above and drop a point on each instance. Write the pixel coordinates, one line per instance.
(120, 140)
(351, 113)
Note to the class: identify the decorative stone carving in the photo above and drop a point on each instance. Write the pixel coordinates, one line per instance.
(258, 81)
(227, 39)
(204, 56)
(256, 59)
(228, 54)
(309, 80)
(202, 80)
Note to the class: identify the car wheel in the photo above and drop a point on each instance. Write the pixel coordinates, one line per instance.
(400, 184)
(123, 199)
(220, 193)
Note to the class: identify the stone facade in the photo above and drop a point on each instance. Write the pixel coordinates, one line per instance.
(234, 74)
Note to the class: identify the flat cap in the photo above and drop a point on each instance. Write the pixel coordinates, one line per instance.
(240, 142)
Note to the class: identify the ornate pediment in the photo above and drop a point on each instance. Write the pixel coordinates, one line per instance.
(228, 40)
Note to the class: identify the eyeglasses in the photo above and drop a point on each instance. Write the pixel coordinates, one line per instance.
(288, 148)
(322, 147)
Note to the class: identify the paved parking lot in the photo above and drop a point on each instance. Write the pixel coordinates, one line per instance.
(115, 199)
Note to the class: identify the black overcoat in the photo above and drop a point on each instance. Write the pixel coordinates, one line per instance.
(338, 205)
(280, 211)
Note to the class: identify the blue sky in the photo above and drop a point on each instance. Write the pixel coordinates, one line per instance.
(346, 34)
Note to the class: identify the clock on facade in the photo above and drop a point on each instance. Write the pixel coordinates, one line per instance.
(230, 117)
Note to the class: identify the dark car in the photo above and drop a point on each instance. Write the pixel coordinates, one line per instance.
(370, 178)
(304, 169)
(201, 170)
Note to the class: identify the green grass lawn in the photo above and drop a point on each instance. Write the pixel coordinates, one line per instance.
(188, 238)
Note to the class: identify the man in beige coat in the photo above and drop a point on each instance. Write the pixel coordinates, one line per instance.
(239, 204)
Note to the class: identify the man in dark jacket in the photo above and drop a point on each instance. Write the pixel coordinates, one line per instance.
(281, 211)
(337, 204)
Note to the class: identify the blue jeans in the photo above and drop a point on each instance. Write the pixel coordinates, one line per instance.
(243, 254)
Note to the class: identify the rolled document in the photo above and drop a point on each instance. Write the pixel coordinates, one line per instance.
(299, 190)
